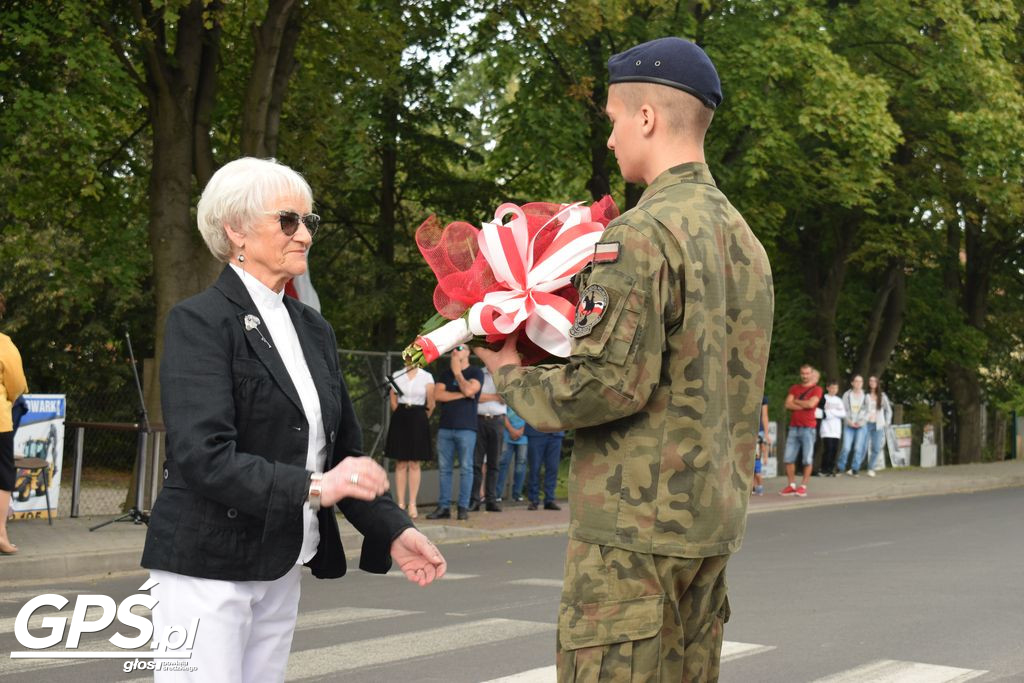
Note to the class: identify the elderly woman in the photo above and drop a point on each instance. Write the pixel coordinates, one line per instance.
(12, 385)
(262, 442)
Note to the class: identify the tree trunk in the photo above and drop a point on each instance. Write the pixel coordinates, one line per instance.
(823, 288)
(385, 329)
(884, 325)
(964, 382)
(598, 184)
(268, 39)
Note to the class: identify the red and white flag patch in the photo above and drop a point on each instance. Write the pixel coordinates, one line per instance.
(606, 252)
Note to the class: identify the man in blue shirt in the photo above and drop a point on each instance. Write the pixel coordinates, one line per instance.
(457, 391)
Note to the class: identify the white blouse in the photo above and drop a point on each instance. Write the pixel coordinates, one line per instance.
(414, 390)
(270, 305)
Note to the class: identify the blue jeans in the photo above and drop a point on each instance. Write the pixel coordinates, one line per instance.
(800, 439)
(450, 442)
(875, 438)
(853, 439)
(543, 451)
(512, 451)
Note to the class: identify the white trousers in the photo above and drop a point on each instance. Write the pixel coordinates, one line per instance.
(245, 627)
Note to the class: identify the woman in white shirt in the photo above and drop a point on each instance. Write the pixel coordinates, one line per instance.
(879, 417)
(409, 435)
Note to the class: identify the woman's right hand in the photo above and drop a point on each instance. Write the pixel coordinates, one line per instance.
(353, 477)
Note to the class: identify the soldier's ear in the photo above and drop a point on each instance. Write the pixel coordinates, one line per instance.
(648, 117)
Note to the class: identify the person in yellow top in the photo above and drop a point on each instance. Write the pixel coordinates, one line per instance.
(12, 385)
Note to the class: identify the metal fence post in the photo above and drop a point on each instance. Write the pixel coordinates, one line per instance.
(155, 478)
(76, 482)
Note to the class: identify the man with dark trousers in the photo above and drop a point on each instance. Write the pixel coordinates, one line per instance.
(490, 422)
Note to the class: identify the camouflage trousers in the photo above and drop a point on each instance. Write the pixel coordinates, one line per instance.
(629, 616)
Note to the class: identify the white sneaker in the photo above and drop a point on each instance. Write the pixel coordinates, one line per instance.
(871, 473)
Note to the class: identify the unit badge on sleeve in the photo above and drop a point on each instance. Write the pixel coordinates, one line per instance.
(589, 311)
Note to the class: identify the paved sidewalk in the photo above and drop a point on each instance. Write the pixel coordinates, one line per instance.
(68, 550)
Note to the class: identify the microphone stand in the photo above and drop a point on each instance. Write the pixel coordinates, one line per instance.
(136, 514)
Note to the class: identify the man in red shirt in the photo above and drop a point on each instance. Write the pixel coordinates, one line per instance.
(802, 400)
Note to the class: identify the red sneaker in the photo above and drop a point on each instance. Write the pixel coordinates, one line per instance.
(790, 490)
(801, 491)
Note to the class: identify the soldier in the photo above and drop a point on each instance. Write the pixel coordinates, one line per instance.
(663, 387)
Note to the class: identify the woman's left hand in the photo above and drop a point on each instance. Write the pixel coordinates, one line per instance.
(417, 557)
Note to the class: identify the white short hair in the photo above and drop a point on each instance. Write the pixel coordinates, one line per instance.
(238, 194)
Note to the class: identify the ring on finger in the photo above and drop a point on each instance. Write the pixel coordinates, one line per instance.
(354, 478)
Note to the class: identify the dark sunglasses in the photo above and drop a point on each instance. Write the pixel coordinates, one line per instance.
(290, 222)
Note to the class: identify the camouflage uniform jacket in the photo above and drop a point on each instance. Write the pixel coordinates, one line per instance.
(665, 390)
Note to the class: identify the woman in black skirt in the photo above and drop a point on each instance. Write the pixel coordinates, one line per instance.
(409, 434)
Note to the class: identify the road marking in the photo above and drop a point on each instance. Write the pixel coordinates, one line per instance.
(345, 615)
(25, 596)
(306, 621)
(543, 583)
(545, 674)
(732, 650)
(336, 659)
(450, 576)
(893, 671)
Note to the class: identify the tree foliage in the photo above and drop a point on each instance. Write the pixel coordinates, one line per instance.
(874, 147)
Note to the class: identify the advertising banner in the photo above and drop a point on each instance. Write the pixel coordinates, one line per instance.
(40, 435)
(900, 438)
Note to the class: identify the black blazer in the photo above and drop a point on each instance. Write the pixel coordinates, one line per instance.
(235, 478)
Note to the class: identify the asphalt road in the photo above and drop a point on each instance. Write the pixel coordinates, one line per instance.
(923, 589)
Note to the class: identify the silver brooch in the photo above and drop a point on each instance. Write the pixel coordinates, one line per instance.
(251, 323)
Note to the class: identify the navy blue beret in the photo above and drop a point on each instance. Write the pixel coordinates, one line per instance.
(674, 62)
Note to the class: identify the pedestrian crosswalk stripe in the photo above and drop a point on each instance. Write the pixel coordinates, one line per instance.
(893, 671)
(336, 659)
(25, 596)
(306, 621)
(732, 650)
(450, 576)
(543, 583)
(545, 674)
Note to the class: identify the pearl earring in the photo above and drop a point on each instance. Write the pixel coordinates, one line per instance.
(241, 258)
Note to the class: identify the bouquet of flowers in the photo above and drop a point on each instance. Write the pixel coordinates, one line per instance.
(507, 277)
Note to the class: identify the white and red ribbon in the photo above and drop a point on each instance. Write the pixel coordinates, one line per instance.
(530, 279)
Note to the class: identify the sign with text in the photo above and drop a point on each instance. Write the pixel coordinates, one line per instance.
(39, 436)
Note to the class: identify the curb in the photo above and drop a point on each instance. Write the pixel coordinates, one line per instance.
(85, 566)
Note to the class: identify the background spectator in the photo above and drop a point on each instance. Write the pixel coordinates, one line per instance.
(802, 401)
(856, 405)
(879, 417)
(457, 390)
(544, 449)
(831, 429)
(409, 433)
(490, 415)
(12, 385)
(515, 453)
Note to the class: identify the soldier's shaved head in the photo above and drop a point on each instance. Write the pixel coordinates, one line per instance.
(683, 114)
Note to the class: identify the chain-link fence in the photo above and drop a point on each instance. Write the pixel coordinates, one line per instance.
(107, 421)
(366, 376)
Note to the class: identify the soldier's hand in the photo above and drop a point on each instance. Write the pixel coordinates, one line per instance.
(506, 355)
